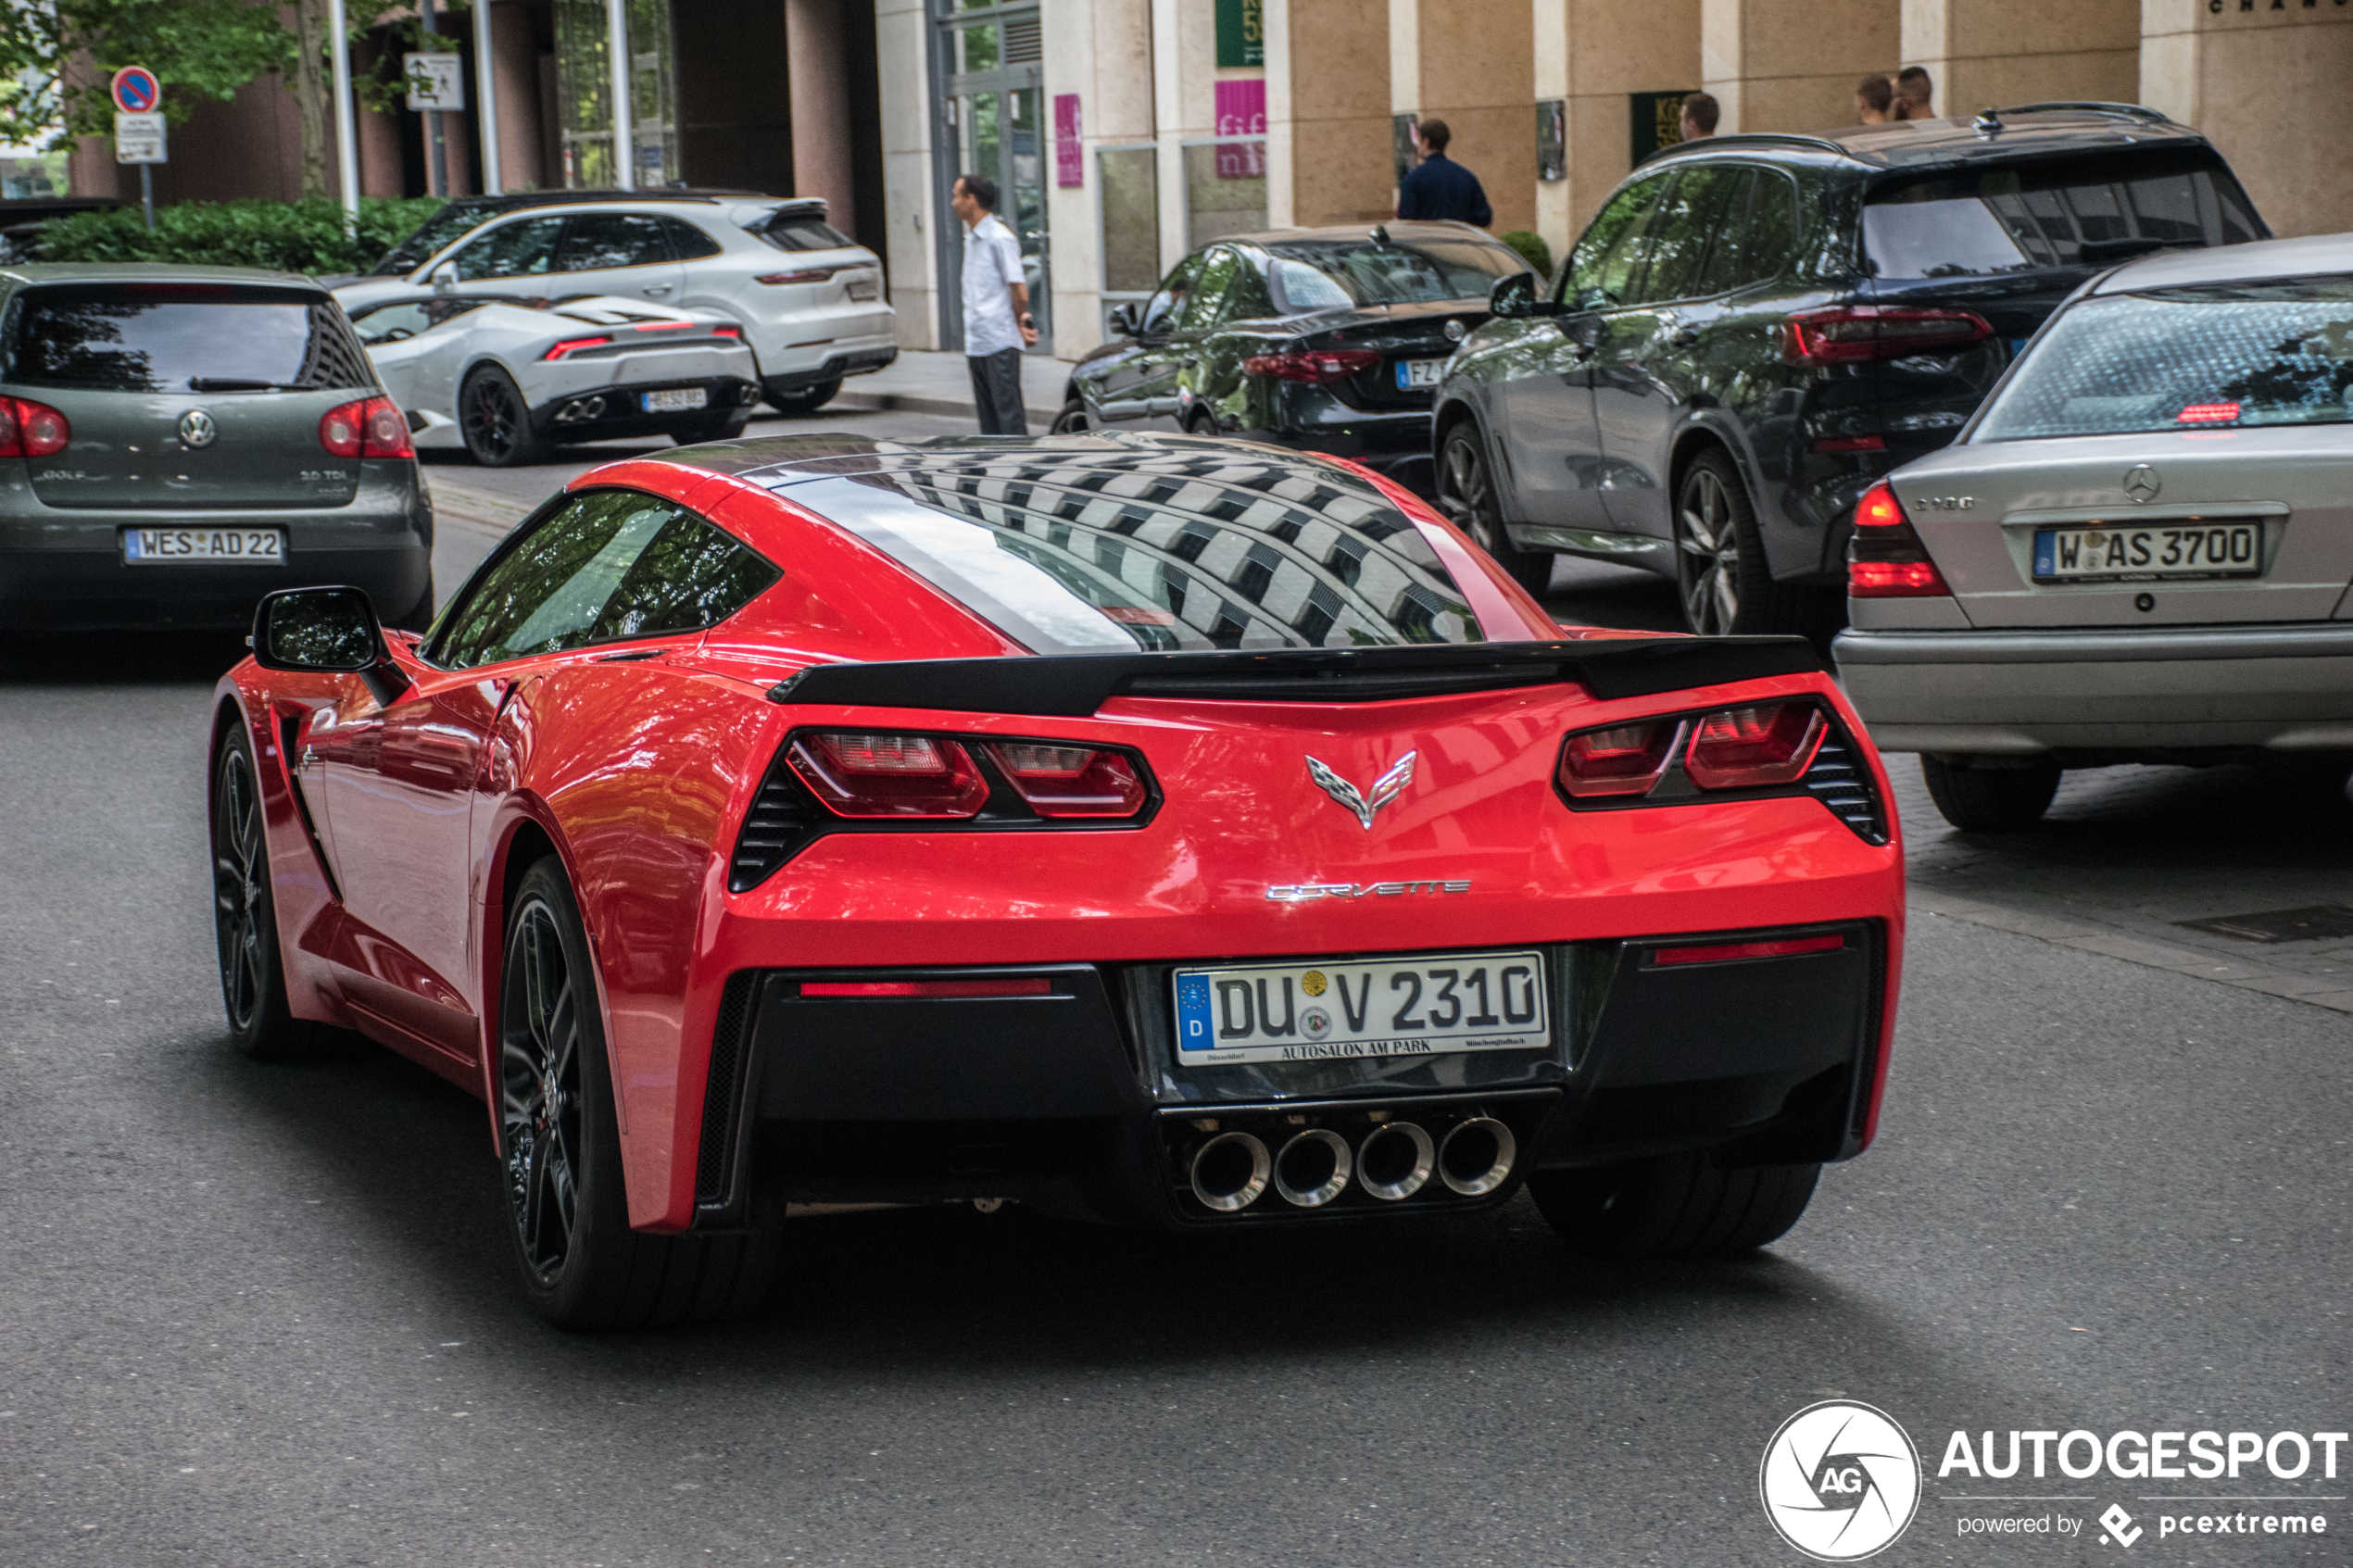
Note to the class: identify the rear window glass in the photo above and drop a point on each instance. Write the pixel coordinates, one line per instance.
(799, 231)
(2075, 213)
(181, 337)
(457, 217)
(1068, 555)
(1316, 275)
(2216, 356)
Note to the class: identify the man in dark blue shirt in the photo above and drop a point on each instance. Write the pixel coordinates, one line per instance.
(1439, 187)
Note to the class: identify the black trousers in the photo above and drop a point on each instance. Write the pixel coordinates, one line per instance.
(997, 392)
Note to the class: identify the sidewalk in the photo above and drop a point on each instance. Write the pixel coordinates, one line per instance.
(924, 382)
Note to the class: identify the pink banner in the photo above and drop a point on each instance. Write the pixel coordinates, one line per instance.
(1242, 112)
(1070, 161)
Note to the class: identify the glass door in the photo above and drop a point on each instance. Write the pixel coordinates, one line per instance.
(995, 110)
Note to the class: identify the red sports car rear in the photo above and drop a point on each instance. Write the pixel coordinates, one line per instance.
(1162, 830)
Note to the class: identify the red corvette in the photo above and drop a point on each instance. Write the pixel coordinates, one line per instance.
(1156, 830)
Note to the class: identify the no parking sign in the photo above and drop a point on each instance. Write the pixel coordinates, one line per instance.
(137, 91)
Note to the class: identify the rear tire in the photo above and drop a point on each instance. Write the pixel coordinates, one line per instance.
(1466, 495)
(1722, 579)
(495, 422)
(1676, 1206)
(802, 400)
(1990, 799)
(245, 913)
(1072, 421)
(567, 1209)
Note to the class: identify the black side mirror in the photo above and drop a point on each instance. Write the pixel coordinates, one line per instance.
(1122, 320)
(329, 631)
(1513, 297)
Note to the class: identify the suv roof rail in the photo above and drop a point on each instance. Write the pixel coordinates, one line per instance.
(2092, 105)
(1756, 139)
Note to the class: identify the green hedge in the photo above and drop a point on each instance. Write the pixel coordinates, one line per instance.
(1533, 249)
(304, 236)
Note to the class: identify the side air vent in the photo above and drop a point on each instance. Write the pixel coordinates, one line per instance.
(721, 1093)
(782, 818)
(1844, 785)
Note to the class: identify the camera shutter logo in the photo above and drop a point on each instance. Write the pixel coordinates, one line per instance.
(1841, 1480)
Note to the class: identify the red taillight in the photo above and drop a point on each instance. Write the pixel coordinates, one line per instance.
(661, 326)
(1854, 334)
(806, 275)
(1324, 365)
(1071, 780)
(1036, 987)
(571, 345)
(726, 332)
(889, 775)
(1851, 443)
(1755, 747)
(32, 430)
(2207, 414)
(371, 428)
(1727, 952)
(1886, 560)
(1627, 760)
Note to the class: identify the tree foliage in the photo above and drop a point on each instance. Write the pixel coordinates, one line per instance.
(199, 49)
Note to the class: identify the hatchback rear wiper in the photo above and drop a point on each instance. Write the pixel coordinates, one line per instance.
(239, 383)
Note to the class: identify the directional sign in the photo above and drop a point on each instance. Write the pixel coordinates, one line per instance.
(436, 82)
(139, 138)
(137, 91)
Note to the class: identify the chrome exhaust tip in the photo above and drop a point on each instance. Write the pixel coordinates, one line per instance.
(1476, 1156)
(1313, 1168)
(1394, 1161)
(1230, 1172)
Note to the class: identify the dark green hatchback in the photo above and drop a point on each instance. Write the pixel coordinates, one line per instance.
(176, 441)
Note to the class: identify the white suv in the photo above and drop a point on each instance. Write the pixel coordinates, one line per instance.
(809, 297)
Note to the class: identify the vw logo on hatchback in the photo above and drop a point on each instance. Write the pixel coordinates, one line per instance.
(2142, 484)
(197, 428)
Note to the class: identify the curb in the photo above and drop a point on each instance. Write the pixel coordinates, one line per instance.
(915, 403)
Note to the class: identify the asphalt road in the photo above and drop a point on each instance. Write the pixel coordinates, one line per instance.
(254, 1314)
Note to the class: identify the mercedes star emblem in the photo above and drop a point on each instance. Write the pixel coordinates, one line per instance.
(1386, 788)
(197, 428)
(2142, 484)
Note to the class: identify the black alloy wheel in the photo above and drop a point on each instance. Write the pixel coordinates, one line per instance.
(253, 978)
(1466, 495)
(1072, 421)
(1722, 579)
(495, 422)
(1673, 1205)
(803, 401)
(567, 1206)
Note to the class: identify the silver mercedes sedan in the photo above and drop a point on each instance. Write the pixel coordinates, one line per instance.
(2139, 547)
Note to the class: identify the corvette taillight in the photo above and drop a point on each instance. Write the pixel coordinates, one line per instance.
(1071, 780)
(371, 428)
(1755, 747)
(1627, 760)
(857, 775)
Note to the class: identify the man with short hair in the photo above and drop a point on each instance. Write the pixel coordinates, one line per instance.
(1873, 96)
(1439, 188)
(1700, 115)
(997, 321)
(1913, 91)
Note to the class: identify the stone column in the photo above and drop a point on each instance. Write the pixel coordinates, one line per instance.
(1327, 107)
(514, 74)
(819, 88)
(1595, 53)
(2263, 83)
(1183, 60)
(1791, 65)
(1100, 52)
(1993, 54)
(1471, 64)
(902, 43)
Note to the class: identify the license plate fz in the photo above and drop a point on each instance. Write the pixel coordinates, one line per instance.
(1434, 1005)
(204, 546)
(1416, 374)
(2148, 553)
(674, 398)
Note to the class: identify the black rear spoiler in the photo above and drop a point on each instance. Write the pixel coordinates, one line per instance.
(1074, 686)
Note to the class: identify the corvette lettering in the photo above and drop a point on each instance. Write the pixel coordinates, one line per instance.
(1300, 893)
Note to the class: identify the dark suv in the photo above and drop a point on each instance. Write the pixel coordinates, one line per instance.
(1754, 329)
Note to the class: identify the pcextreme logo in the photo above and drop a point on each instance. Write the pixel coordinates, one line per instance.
(1839, 1481)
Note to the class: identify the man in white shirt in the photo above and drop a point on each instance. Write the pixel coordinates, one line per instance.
(997, 321)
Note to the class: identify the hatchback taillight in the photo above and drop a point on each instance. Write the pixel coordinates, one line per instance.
(1755, 747)
(1627, 760)
(1321, 365)
(32, 430)
(858, 775)
(1071, 780)
(1886, 560)
(371, 428)
(1854, 333)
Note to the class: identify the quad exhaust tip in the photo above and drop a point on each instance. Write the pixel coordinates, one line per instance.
(1476, 1156)
(1313, 1168)
(1230, 1172)
(1394, 1161)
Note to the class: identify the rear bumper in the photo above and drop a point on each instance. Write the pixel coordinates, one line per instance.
(1073, 1101)
(600, 413)
(1394, 444)
(831, 363)
(2020, 693)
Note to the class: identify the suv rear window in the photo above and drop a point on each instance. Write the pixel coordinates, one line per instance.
(181, 337)
(2073, 212)
(802, 231)
(2213, 357)
(1065, 555)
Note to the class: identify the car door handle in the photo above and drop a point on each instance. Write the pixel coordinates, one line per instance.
(657, 288)
(1684, 338)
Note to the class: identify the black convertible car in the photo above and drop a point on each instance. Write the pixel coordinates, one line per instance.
(1325, 340)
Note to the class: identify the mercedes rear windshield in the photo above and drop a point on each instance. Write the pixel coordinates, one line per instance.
(179, 337)
(2055, 212)
(2206, 357)
(1070, 555)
